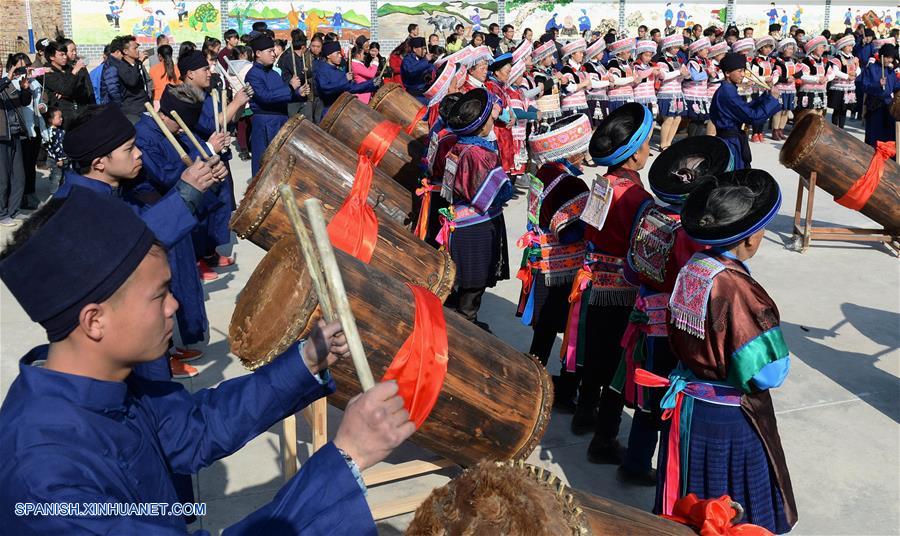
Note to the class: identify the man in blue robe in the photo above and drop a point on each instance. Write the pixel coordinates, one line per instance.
(864, 49)
(331, 81)
(728, 110)
(879, 82)
(170, 215)
(416, 71)
(270, 98)
(82, 430)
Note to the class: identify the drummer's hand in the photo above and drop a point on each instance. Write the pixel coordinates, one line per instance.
(241, 98)
(324, 346)
(199, 175)
(218, 168)
(219, 141)
(374, 424)
(295, 82)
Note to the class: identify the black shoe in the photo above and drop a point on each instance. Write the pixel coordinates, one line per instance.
(482, 325)
(610, 453)
(584, 421)
(636, 479)
(244, 155)
(562, 398)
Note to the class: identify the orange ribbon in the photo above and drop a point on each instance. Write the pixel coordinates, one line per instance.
(858, 194)
(421, 230)
(354, 229)
(420, 365)
(410, 128)
(712, 517)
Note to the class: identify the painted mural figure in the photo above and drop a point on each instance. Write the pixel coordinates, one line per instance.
(182, 11)
(337, 21)
(584, 22)
(114, 12)
(798, 13)
(552, 24)
(681, 22)
(848, 18)
(669, 15)
(476, 21)
(772, 14)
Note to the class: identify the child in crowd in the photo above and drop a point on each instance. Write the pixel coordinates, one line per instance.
(57, 161)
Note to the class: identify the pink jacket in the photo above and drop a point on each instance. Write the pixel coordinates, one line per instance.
(361, 73)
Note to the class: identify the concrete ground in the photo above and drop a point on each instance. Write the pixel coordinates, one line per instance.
(838, 411)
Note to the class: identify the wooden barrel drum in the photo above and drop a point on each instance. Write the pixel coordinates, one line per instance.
(317, 165)
(393, 102)
(839, 159)
(495, 402)
(349, 121)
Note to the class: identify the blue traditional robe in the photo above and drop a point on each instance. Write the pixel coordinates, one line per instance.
(728, 111)
(160, 175)
(414, 72)
(879, 122)
(331, 82)
(271, 96)
(213, 230)
(74, 439)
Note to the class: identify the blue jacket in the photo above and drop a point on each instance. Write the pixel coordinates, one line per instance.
(96, 81)
(331, 82)
(414, 73)
(728, 111)
(74, 439)
(213, 230)
(271, 94)
(879, 122)
(110, 90)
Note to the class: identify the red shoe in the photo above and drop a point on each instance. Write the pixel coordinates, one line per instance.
(225, 261)
(182, 371)
(206, 273)
(186, 354)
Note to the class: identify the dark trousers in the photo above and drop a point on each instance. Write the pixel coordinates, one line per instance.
(468, 301)
(243, 133)
(12, 177)
(604, 325)
(30, 149)
(839, 115)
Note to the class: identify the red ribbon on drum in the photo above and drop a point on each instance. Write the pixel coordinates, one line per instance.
(410, 128)
(713, 517)
(354, 229)
(420, 366)
(858, 194)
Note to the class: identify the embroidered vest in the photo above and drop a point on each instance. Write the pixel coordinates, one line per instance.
(694, 90)
(645, 91)
(624, 92)
(690, 298)
(670, 88)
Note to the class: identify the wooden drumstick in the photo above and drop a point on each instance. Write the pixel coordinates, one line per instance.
(309, 253)
(215, 102)
(190, 135)
(224, 110)
(335, 284)
(168, 134)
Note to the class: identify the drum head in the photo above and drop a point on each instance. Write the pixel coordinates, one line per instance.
(276, 308)
(802, 139)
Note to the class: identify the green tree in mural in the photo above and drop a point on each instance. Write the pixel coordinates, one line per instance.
(242, 13)
(205, 13)
(525, 8)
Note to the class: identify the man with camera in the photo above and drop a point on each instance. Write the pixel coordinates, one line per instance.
(13, 98)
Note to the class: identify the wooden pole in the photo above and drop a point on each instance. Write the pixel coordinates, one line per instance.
(168, 134)
(224, 110)
(289, 446)
(294, 59)
(897, 137)
(215, 101)
(308, 251)
(190, 135)
(335, 283)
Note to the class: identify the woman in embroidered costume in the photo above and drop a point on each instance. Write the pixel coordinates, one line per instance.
(554, 241)
(694, 87)
(670, 97)
(476, 187)
(478, 59)
(842, 89)
(440, 140)
(598, 100)
(747, 47)
(785, 68)
(577, 80)
(601, 297)
(722, 434)
(621, 75)
(716, 76)
(497, 86)
(763, 68)
(659, 247)
(522, 113)
(645, 75)
(813, 75)
(546, 77)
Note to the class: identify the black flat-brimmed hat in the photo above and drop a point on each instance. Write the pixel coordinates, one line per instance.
(471, 112)
(730, 206)
(680, 168)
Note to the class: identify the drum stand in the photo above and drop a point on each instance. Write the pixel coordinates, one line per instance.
(316, 415)
(807, 232)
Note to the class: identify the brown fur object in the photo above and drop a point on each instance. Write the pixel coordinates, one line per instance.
(499, 499)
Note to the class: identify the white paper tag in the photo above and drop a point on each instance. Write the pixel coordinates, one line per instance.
(598, 203)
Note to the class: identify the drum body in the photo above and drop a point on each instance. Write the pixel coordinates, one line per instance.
(839, 159)
(394, 103)
(316, 165)
(349, 121)
(495, 401)
(895, 107)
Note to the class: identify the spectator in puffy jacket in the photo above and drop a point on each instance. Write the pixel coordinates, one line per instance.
(110, 91)
(133, 78)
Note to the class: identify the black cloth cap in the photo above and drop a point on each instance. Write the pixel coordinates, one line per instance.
(417, 42)
(500, 60)
(869, 32)
(330, 48)
(192, 61)
(188, 111)
(81, 255)
(730, 206)
(262, 42)
(680, 168)
(99, 136)
(492, 40)
(888, 51)
(774, 27)
(732, 62)
(447, 104)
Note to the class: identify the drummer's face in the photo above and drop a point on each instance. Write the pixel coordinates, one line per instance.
(266, 57)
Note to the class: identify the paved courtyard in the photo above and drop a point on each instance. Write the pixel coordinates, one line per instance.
(838, 411)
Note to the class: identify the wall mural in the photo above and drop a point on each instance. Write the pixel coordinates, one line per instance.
(433, 17)
(348, 20)
(572, 18)
(759, 16)
(96, 22)
(677, 15)
(880, 18)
